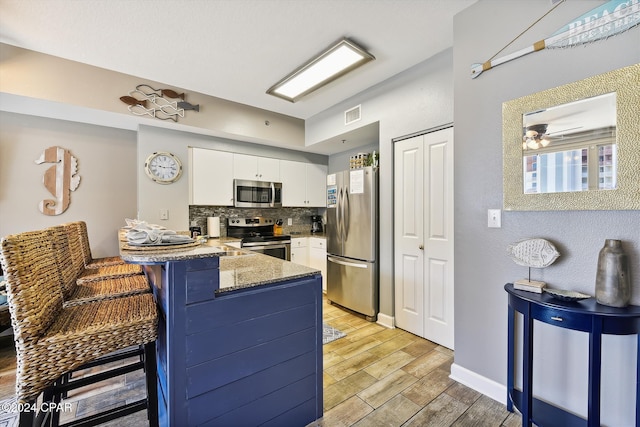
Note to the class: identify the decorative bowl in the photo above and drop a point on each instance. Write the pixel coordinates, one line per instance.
(565, 295)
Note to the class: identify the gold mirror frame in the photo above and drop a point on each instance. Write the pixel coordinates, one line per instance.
(626, 83)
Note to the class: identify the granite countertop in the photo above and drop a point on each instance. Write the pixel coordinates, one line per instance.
(236, 272)
(308, 234)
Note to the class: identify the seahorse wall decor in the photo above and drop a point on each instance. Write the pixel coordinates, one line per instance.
(60, 179)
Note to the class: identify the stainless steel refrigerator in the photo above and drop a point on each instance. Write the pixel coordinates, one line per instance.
(352, 240)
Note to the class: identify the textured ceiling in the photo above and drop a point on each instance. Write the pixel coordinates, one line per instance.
(234, 49)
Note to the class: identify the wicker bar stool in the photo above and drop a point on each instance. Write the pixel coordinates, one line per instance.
(89, 261)
(52, 340)
(75, 293)
(78, 258)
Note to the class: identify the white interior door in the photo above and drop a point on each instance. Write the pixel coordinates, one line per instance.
(438, 247)
(423, 184)
(408, 234)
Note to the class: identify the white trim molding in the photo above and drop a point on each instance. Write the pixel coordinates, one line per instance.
(386, 321)
(490, 388)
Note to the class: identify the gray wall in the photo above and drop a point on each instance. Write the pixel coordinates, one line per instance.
(419, 98)
(482, 268)
(106, 165)
(339, 162)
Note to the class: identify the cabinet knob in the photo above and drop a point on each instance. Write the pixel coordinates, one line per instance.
(421, 247)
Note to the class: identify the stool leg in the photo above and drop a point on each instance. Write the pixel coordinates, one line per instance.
(27, 417)
(152, 383)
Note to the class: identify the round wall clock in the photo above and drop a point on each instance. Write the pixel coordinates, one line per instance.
(163, 167)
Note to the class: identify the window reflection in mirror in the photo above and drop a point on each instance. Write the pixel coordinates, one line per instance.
(571, 147)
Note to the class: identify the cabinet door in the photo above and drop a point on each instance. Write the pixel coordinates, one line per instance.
(316, 189)
(300, 251)
(256, 168)
(210, 177)
(268, 169)
(245, 167)
(318, 257)
(293, 183)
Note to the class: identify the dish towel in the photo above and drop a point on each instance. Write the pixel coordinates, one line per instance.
(143, 233)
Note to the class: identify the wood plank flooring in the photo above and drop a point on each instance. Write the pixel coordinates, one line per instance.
(373, 377)
(388, 377)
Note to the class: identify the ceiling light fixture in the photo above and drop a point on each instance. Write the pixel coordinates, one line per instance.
(334, 62)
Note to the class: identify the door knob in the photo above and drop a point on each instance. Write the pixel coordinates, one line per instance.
(421, 247)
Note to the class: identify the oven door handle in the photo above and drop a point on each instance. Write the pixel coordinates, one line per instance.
(281, 243)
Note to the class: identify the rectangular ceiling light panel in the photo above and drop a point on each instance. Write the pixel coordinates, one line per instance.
(336, 61)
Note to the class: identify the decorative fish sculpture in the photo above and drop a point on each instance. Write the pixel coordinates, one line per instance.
(188, 106)
(537, 253)
(160, 92)
(60, 179)
(130, 100)
(171, 94)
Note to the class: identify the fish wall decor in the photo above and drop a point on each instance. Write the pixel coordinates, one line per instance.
(537, 253)
(60, 179)
(145, 100)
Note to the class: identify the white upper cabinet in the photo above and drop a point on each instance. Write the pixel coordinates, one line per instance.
(210, 177)
(316, 185)
(303, 184)
(256, 168)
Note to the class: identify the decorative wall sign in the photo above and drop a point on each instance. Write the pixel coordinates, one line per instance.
(60, 179)
(145, 100)
(607, 20)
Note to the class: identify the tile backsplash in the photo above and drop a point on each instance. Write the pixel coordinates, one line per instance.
(301, 217)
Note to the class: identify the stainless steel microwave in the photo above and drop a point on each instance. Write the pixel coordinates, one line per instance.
(257, 194)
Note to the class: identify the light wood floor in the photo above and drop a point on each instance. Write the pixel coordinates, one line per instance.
(372, 377)
(388, 377)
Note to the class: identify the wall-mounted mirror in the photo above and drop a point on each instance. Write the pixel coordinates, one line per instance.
(575, 147)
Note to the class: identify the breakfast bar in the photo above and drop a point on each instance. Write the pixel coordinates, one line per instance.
(239, 336)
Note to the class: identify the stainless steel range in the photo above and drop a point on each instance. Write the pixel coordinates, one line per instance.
(257, 235)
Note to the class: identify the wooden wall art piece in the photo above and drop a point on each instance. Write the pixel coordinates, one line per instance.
(145, 100)
(607, 20)
(60, 179)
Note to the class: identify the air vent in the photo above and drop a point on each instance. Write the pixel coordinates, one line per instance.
(352, 115)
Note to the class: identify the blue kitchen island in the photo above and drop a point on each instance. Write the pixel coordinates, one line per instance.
(239, 337)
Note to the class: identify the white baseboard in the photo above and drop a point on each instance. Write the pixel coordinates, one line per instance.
(490, 388)
(386, 321)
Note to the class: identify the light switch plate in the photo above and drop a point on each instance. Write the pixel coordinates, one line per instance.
(164, 213)
(289, 221)
(495, 218)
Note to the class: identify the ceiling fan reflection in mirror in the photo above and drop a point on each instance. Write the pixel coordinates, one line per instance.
(534, 137)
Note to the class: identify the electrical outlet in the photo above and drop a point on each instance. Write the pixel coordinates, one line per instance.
(290, 221)
(495, 218)
(164, 213)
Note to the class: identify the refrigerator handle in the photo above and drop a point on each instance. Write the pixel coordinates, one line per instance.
(346, 217)
(347, 263)
(338, 218)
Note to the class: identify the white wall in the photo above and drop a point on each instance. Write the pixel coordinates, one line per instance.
(482, 267)
(417, 99)
(106, 165)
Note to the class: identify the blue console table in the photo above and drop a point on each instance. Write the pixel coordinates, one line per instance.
(586, 316)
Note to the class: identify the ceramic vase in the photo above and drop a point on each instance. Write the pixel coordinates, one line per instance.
(613, 285)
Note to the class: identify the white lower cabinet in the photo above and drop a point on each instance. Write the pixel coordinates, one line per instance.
(318, 257)
(299, 250)
(312, 252)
